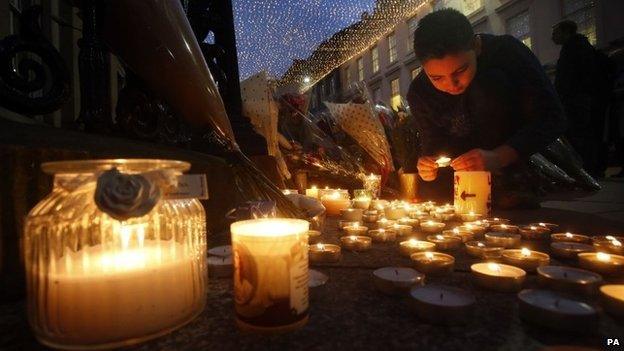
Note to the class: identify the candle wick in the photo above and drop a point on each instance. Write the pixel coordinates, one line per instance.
(441, 296)
(396, 272)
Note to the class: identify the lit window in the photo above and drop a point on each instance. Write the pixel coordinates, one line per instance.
(415, 72)
(412, 23)
(360, 67)
(470, 6)
(519, 27)
(395, 94)
(375, 59)
(392, 49)
(582, 12)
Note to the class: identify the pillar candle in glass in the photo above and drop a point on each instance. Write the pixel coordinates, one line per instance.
(270, 274)
(335, 201)
(313, 192)
(372, 183)
(362, 199)
(472, 192)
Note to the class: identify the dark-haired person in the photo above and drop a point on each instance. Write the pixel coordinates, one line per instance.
(584, 82)
(482, 99)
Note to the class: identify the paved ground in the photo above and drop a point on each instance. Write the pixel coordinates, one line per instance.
(606, 203)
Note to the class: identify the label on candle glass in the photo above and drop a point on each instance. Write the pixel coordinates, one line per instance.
(190, 186)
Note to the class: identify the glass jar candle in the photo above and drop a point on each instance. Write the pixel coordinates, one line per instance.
(110, 259)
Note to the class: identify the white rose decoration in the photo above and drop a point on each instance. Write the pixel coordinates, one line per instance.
(124, 196)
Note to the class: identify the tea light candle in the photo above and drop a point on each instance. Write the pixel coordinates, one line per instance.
(445, 242)
(356, 243)
(569, 237)
(442, 304)
(362, 202)
(551, 226)
(382, 235)
(432, 227)
(496, 220)
(418, 215)
(312, 192)
(429, 205)
(395, 212)
(612, 298)
(370, 216)
(609, 243)
(470, 216)
(409, 221)
(402, 229)
(385, 223)
(408, 247)
(569, 250)
(526, 259)
(379, 204)
(446, 208)
(324, 253)
(221, 251)
(352, 214)
(356, 229)
(504, 228)
(396, 280)
(313, 236)
(477, 230)
(481, 223)
(463, 234)
(334, 202)
(290, 191)
(569, 280)
(534, 233)
(433, 263)
(552, 310)
(499, 277)
(608, 265)
(443, 161)
(220, 267)
(481, 249)
(342, 224)
(444, 217)
(506, 240)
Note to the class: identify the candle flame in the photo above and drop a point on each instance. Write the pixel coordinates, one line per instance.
(504, 226)
(456, 231)
(480, 245)
(610, 238)
(525, 252)
(413, 242)
(542, 224)
(568, 235)
(429, 222)
(616, 243)
(429, 255)
(494, 267)
(352, 237)
(314, 187)
(471, 213)
(356, 225)
(603, 256)
(533, 227)
(439, 237)
(321, 246)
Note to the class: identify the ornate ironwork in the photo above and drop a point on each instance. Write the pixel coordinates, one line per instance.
(33, 77)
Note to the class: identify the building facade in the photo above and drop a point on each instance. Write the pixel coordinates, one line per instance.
(388, 66)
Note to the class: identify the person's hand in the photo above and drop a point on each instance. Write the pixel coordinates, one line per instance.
(427, 168)
(476, 160)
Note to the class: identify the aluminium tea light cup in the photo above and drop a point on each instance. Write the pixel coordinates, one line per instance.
(481, 249)
(401, 229)
(481, 223)
(496, 220)
(408, 247)
(569, 250)
(362, 202)
(505, 228)
(506, 240)
(397, 280)
(445, 242)
(526, 259)
(551, 226)
(470, 217)
(220, 267)
(433, 263)
(477, 230)
(356, 243)
(342, 224)
(382, 235)
(370, 217)
(612, 299)
(609, 244)
(534, 232)
(498, 277)
(324, 253)
(465, 235)
(569, 237)
(432, 226)
(444, 217)
(552, 310)
(379, 204)
(441, 304)
(608, 265)
(395, 212)
(569, 280)
(352, 214)
(419, 215)
(356, 229)
(414, 223)
(385, 223)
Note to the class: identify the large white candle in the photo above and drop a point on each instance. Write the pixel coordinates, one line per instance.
(101, 295)
(270, 273)
(472, 192)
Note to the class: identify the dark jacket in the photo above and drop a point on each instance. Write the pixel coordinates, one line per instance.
(576, 68)
(510, 101)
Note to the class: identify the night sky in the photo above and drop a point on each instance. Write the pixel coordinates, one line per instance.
(270, 33)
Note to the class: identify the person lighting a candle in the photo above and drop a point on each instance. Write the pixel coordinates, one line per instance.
(484, 100)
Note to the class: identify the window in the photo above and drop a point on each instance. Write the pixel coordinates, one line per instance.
(412, 23)
(392, 49)
(360, 67)
(348, 76)
(519, 27)
(375, 59)
(415, 72)
(470, 6)
(582, 12)
(395, 94)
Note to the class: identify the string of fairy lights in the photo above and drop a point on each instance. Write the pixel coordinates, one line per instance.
(306, 54)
